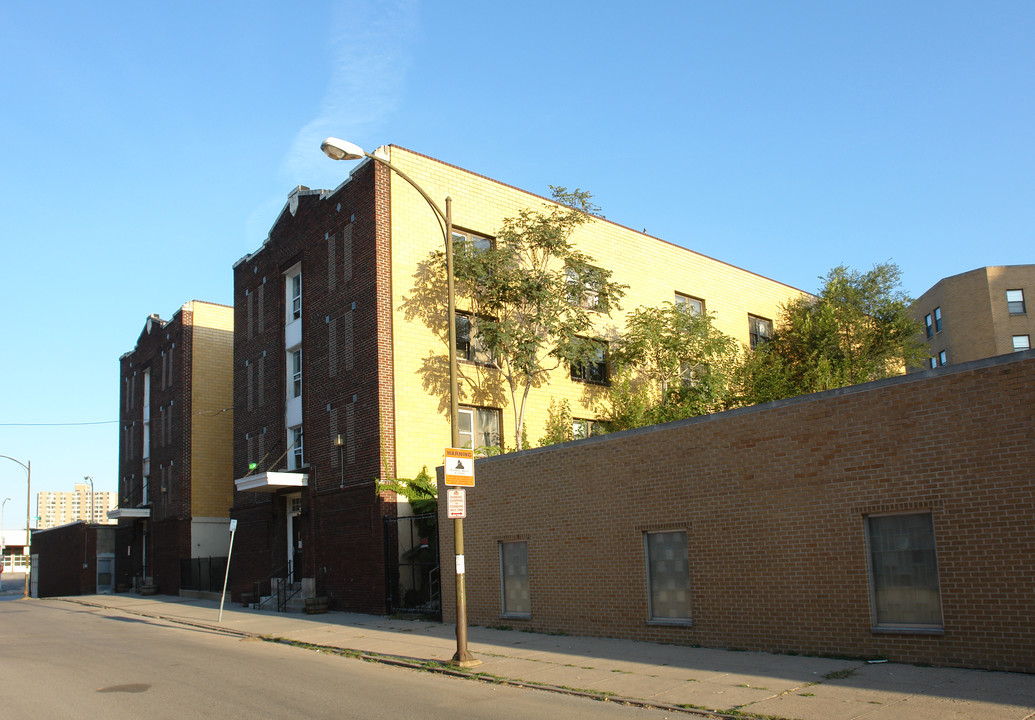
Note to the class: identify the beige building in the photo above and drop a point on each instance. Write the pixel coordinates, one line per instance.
(978, 314)
(60, 508)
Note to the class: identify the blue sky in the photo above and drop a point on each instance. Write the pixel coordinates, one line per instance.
(144, 148)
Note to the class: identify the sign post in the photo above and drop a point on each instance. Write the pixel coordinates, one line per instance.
(459, 472)
(233, 529)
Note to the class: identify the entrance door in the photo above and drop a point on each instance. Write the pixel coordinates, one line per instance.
(105, 572)
(294, 536)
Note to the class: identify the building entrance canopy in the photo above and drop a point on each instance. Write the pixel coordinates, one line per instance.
(271, 481)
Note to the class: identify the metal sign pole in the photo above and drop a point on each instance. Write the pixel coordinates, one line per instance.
(229, 553)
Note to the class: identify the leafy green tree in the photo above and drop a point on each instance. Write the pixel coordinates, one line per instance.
(534, 300)
(670, 363)
(858, 328)
(421, 491)
(558, 423)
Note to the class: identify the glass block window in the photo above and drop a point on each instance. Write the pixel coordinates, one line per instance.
(514, 579)
(904, 571)
(668, 576)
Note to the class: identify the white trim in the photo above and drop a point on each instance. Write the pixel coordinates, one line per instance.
(271, 481)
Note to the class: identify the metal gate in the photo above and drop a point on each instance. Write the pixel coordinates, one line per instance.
(411, 564)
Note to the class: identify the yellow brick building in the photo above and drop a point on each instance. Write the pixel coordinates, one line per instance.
(978, 314)
(655, 271)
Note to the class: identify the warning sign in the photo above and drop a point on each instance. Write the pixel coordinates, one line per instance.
(459, 467)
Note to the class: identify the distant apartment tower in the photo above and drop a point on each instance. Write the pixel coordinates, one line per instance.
(978, 314)
(61, 508)
(175, 449)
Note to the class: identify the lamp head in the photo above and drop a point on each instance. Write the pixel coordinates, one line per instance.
(337, 149)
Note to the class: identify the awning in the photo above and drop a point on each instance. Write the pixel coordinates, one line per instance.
(121, 513)
(271, 481)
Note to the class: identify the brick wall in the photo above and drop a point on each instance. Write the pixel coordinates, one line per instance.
(774, 501)
(340, 241)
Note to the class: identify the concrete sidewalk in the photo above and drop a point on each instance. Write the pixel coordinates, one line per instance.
(680, 679)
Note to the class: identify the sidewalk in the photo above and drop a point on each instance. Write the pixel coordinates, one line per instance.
(666, 676)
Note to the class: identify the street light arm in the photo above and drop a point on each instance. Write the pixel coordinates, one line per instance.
(337, 149)
(24, 466)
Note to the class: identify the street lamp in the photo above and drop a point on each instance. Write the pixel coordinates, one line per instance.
(90, 479)
(3, 545)
(337, 149)
(27, 466)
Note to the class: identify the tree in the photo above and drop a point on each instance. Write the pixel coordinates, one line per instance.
(421, 491)
(858, 328)
(533, 298)
(669, 364)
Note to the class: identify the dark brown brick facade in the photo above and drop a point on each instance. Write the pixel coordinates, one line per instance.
(341, 240)
(774, 501)
(165, 351)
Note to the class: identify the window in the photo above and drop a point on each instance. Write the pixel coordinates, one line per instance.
(934, 362)
(668, 576)
(585, 292)
(294, 295)
(943, 358)
(581, 428)
(516, 600)
(595, 368)
(760, 330)
(479, 428)
(1015, 302)
(1021, 343)
(692, 305)
(469, 345)
(691, 374)
(477, 241)
(903, 571)
(937, 319)
(296, 373)
(297, 455)
(928, 325)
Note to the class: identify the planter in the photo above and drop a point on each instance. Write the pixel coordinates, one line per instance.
(148, 589)
(315, 605)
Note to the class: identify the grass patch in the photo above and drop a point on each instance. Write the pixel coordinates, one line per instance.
(839, 674)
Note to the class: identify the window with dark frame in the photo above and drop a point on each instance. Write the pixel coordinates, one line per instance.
(904, 584)
(937, 319)
(515, 595)
(929, 325)
(594, 369)
(668, 576)
(760, 330)
(468, 344)
(943, 358)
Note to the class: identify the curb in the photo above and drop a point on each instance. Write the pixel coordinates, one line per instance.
(432, 666)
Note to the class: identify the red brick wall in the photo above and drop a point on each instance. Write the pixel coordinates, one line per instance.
(773, 500)
(343, 378)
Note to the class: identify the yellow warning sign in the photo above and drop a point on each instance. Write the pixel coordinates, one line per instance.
(459, 467)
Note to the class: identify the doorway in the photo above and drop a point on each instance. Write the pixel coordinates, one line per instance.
(294, 537)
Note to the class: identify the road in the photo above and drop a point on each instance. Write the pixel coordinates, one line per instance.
(59, 660)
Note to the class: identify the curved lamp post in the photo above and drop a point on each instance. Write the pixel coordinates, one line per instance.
(338, 149)
(27, 466)
(3, 545)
